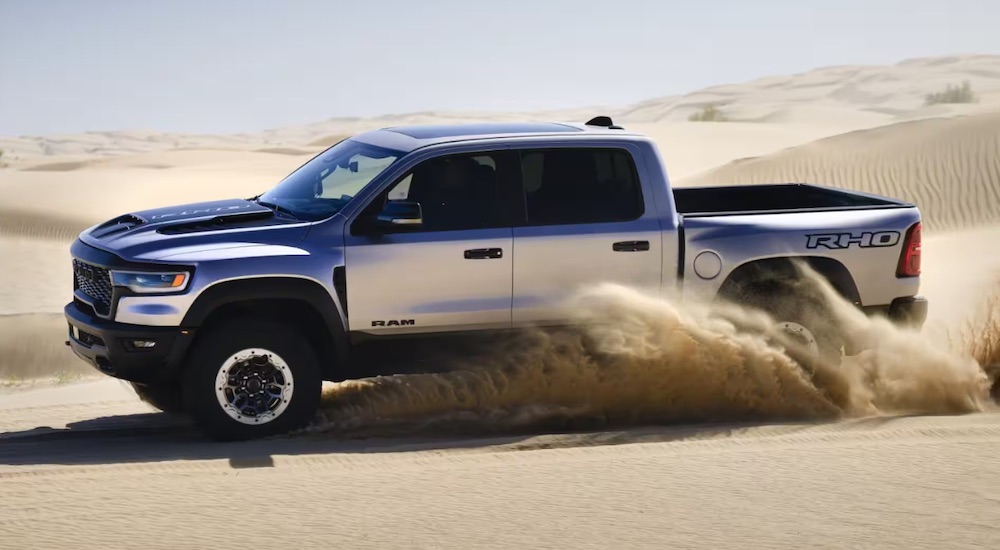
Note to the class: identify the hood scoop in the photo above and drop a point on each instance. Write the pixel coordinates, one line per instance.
(117, 225)
(230, 221)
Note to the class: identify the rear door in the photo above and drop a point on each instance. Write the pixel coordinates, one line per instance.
(453, 272)
(586, 221)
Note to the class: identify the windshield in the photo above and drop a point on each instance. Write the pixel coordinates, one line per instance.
(322, 186)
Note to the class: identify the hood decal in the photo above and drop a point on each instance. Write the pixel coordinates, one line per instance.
(201, 210)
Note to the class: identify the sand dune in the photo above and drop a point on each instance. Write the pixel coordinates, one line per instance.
(689, 148)
(866, 95)
(29, 149)
(63, 166)
(845, 97)
(949, 167)
(41, 225)
(113, 143)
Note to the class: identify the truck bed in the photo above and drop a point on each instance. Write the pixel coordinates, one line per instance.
(774, 198)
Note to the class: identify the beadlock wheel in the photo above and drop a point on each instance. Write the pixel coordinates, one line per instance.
(254, 386)
(251, 378)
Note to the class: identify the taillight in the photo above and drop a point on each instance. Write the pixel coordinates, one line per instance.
(909, 260)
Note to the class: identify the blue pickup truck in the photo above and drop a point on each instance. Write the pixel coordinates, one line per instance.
(236, 311)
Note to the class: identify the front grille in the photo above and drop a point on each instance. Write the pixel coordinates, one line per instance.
(95, 283)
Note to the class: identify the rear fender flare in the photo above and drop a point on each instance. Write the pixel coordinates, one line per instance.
(754, 271)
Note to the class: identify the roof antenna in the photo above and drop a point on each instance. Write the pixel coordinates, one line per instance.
(604, 121)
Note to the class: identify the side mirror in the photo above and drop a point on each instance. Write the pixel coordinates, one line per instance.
(400, 214)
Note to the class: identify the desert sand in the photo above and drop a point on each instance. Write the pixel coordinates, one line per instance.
(949, 167)
(555, 453)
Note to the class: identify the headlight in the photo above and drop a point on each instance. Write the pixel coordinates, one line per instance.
(139, 281)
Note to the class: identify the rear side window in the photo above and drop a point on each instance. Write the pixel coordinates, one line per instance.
(587, 185)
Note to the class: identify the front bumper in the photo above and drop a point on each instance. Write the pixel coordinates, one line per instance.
(910, 311)
(107, 346)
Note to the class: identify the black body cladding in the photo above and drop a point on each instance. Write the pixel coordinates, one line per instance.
(106, 346)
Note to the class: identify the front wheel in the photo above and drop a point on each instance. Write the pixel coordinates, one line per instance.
(252, 379)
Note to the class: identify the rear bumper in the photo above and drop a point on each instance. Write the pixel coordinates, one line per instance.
(107, 346)
(910, 311)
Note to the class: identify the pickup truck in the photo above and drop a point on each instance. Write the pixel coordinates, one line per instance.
(236, 311)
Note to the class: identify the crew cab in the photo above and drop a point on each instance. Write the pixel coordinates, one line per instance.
(235, 311)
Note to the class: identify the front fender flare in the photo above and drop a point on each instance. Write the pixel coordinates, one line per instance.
(307, 291)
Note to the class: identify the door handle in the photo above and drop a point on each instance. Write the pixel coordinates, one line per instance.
(630, 246)
(483, 253)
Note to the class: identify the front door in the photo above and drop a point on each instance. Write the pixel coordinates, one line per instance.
(586, 222)
(451, 272)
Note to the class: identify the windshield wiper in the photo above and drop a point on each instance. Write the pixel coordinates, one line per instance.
(276, 207)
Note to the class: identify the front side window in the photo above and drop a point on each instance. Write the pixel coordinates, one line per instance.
(576, 186)
(325, 184)
(455, 192)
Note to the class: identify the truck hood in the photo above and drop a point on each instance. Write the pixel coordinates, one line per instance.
(162, 232)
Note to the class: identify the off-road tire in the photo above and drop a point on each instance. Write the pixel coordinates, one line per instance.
(212, 350)
(794, 301)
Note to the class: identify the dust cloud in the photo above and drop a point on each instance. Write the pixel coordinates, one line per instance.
(639, 359)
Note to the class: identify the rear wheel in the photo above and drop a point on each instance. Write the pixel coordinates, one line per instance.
(251, 379)
(165, 396)
(803, 319)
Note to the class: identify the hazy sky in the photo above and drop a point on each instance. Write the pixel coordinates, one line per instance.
(244, 65)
